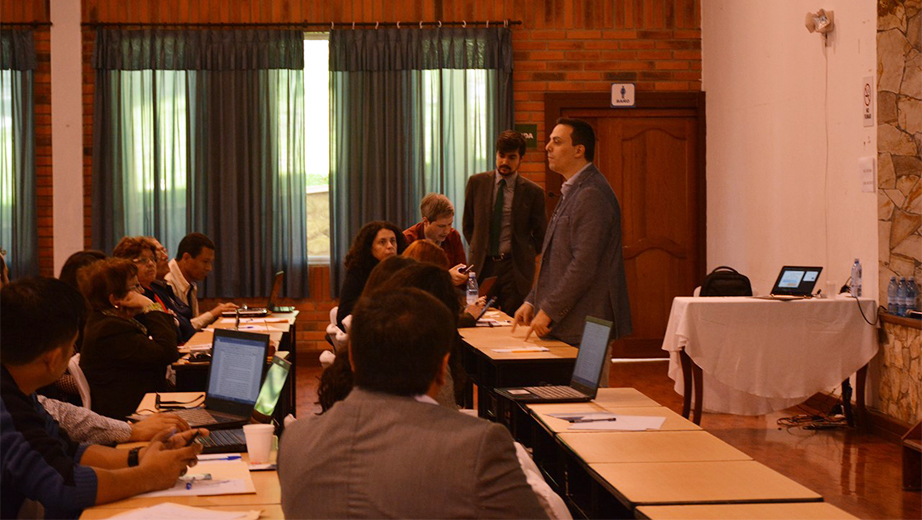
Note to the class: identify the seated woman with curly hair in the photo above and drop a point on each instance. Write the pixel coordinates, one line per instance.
(128, 341)
(376, 241)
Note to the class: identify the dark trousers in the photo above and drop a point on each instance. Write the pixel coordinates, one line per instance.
(508, 298)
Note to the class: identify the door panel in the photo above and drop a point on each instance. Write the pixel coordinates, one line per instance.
(652, 158)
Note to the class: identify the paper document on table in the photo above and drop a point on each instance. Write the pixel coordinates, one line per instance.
(490, 322)
(200, 347)
(523, 349)
(227, 478)
(628, 423)
(169, 511)
(231, 321)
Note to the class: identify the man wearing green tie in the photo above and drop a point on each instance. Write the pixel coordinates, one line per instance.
(504, 223)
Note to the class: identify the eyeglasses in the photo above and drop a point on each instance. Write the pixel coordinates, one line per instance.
(143, 260)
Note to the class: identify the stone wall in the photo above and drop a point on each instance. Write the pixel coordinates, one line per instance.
(899, 139)
(900, 389)
(899, 146)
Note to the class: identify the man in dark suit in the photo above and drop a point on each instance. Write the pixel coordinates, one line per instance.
(504, 223)
(389, 450)
(582, 265)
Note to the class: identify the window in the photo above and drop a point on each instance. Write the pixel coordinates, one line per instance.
(317, 144)
(6, 157)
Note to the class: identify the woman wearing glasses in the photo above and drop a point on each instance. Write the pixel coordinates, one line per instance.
(128, 341)
(143, 252)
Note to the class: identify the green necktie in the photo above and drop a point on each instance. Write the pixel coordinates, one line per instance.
(496, 225)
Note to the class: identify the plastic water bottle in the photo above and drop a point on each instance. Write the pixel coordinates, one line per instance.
(892, 288)
(912, 292)
(473, 290)
(855, 286)
(902, 297)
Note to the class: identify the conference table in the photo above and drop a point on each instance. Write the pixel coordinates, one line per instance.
(655, 473)
(192, 376)
(495, 357)
(751, 356)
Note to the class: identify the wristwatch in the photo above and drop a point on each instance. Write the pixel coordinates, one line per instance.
(133, 457)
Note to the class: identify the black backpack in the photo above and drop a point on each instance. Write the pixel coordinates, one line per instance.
(725, 281)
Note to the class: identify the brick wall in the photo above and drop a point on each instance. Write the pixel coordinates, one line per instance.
(36, 11)
(562, 45)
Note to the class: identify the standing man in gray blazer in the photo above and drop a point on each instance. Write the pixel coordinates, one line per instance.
(504, 222)
(389, 450)
(582, 265)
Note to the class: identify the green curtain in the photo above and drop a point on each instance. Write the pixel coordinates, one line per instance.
(412, 111)
(18, 195)
(204, 131)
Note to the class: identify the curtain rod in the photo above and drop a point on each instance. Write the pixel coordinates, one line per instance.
(306, 24)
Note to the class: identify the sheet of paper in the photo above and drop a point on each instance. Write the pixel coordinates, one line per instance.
(523, 348)
(490, 322)
(201, 347)
(170, 511)
(624, 423)
(231, 321)
(228, 478)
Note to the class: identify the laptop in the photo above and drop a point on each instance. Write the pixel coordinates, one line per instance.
(586, 374)
(233, 441)
(259, 312)
(234, 377)
(794, 283)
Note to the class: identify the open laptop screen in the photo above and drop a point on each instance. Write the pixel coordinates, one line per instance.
(796, 280)
(236, 368)
(272, 386)
(591, 356)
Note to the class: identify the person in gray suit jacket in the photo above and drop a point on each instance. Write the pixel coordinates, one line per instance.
(582, 265)
(504, 222)
(388, 450)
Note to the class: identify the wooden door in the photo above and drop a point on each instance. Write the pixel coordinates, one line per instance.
(653, 157)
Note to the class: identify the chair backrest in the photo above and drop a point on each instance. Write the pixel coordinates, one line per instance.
(73, 366)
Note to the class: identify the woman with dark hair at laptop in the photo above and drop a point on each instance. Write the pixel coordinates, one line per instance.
(128, 341)
(143, 253)
(376, 241)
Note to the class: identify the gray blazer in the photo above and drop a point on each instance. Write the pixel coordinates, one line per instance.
(529, 223)
(376, 455)
(582, 267)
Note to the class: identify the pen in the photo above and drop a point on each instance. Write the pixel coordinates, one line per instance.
(594, 419)
(229, 457)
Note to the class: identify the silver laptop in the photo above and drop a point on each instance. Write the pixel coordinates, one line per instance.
(584, 384)
(234, 378)
(794, 283)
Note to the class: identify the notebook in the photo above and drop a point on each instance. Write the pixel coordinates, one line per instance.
(794, 283)
(234, 376)
(258, 312)
(233, 441)
(584, 384)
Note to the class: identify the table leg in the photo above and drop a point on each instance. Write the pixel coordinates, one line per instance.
(860, 379)
(698, 376)
(686, 383)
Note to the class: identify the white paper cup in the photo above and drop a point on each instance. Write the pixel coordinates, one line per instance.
(831, 289)
(259, 442)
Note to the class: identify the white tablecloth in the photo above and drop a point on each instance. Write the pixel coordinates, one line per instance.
(759, 356)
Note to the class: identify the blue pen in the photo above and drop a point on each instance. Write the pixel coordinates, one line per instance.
(229, 457)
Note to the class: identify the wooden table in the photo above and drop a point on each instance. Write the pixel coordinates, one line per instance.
(799, 510)
(650, 446)
(269, 511)
(666, 483)
(489, 369)
(265, 482)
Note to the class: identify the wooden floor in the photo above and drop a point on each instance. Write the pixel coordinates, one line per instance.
(858, 473)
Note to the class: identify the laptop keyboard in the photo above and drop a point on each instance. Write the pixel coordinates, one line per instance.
(196, 416)
(554, 392)
(223, 438)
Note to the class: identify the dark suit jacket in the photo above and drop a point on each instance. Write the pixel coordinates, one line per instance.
(376, 455)
(529, 223)
(582, 266)
(122, 363)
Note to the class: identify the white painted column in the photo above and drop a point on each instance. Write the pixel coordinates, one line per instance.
(66, 129)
